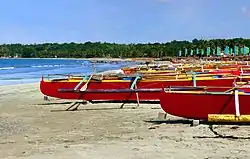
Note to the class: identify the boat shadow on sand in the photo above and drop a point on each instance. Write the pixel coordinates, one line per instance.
(159, 121)
(190, 122)
(75, 106)
(210, 126)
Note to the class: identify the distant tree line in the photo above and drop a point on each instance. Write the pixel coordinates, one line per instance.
(98, 49)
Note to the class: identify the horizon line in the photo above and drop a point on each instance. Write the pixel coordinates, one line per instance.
(110, 42)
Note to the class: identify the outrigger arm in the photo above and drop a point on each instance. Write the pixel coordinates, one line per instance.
(82, 89)
(132, 87)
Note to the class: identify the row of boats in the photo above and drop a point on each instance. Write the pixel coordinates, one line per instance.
(211, 91)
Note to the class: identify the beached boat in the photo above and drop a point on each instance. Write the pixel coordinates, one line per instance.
(89, 89)
(121, 86)
(207, 105)
(166, 70)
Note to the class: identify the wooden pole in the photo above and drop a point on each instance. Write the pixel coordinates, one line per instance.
(137, 97)
(78, 85)
(237, 107)
(194, 79)
(86, 84)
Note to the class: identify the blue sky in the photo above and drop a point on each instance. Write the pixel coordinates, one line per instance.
(122, 21)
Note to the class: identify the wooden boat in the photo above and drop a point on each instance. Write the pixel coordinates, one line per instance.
(177, 69)
(147, 83)
(122, 89)
(205, 105)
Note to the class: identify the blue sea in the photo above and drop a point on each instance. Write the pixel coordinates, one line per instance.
(19, 71)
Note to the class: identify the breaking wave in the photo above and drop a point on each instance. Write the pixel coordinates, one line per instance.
(7, 68)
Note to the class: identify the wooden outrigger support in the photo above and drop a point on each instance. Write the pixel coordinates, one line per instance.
(237, 117)
(76, 104)
(82, 89)
(236, 99)
(85, 86)
(134, 86)
(194, 79)
(78, 85)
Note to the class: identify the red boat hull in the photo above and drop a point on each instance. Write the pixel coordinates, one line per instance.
(199, 106)
(50, 88)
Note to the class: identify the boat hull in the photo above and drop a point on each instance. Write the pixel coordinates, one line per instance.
(51, 88)
(200, 106)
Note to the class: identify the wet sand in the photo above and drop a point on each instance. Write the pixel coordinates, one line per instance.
(33, 128)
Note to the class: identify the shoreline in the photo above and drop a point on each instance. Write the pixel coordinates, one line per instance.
(38, 77)
(19, 84)
(88, 59)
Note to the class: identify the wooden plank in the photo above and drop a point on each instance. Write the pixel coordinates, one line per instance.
(62, 90)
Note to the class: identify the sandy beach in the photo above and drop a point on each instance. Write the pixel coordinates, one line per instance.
(33, 128)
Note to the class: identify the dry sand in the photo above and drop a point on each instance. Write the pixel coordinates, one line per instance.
(31, 128)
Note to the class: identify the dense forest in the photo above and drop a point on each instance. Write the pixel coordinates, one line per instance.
(98, 49)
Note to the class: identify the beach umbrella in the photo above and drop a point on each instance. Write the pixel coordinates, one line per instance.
(226, 51)
(208, 51)
(218, 51)
(191, 52)
(179, 53)
(236, 50)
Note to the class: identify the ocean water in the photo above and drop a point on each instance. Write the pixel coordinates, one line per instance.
(19, 71)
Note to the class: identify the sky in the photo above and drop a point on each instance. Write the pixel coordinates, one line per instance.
(122, 21)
